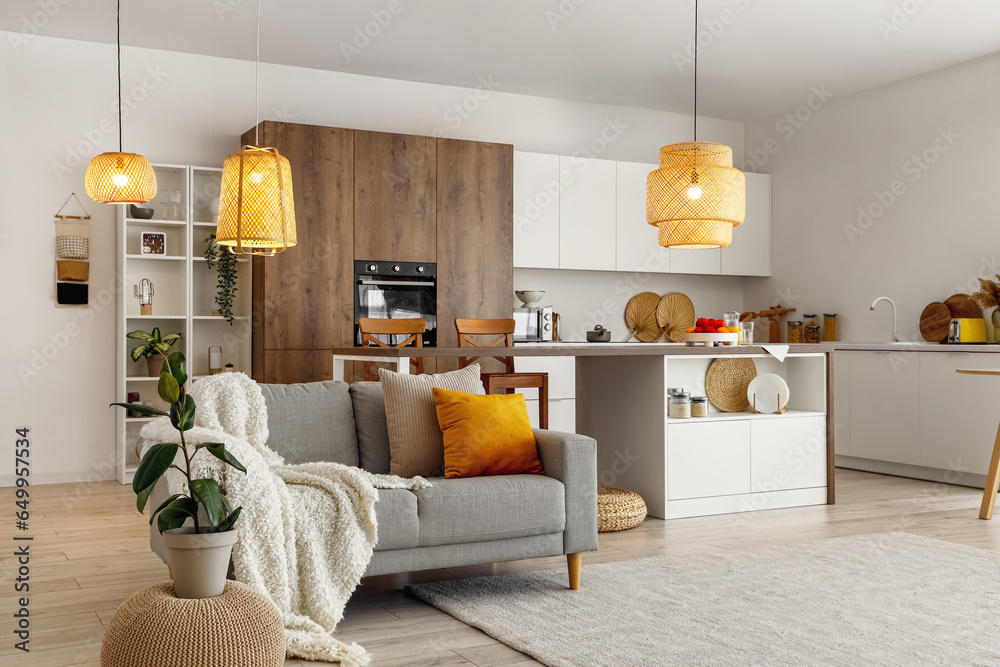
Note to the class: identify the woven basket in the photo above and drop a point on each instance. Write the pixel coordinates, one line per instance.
(726, 383)
(240, 628)
(618, 509)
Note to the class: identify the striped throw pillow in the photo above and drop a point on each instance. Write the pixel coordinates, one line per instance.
(416, 444)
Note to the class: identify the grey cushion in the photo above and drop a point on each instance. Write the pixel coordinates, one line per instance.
(396, 513)
(311, 422)
(373, 435)
(480, 509)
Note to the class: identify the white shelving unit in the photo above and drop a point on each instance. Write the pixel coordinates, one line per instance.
(184, 296)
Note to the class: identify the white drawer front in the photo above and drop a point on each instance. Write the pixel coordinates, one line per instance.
(562, 414)
(787, 453)
(708, 459)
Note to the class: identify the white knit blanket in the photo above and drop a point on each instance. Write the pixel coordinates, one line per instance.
(306, 531)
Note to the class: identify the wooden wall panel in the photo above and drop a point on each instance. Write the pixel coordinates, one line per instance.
(304, 298)
(474, 236)
(394, 197)
(289, 366)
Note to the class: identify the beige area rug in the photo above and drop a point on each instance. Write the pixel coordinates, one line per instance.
(872, 600)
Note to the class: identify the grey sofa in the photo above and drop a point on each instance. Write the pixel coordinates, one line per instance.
(456, 521)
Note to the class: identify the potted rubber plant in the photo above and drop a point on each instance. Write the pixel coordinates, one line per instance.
(227, 269)
(154, 348)
(199, 553)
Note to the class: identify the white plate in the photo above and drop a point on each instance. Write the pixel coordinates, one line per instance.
(771, 392)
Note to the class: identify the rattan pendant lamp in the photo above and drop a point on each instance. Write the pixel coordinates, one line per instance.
(696, 197)
(120, 178)
(256, 205)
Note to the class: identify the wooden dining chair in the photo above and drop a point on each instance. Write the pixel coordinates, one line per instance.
(508, 380)
(373, 326)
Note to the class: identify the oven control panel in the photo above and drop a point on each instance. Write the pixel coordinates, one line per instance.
(378, 268)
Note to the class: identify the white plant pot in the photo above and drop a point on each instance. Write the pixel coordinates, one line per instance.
(199, 561)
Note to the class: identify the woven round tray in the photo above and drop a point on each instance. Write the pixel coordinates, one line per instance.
(675, 314)
(240, 628)
(640, 317)
(726, 383)
(618, 509)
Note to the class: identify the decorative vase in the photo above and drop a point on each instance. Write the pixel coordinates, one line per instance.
(199, 561)
(995, 320)
(155, 364)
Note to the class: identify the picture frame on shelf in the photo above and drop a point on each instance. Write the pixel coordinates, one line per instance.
(154, 243)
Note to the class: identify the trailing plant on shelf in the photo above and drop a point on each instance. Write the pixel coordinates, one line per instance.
(154, 347)
(178, 508)
(228, 274)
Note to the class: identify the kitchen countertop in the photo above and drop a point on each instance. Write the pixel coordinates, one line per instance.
(916, 347)
(574, 350)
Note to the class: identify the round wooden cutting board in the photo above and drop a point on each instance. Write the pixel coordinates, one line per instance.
(934, 322)
(960, 305)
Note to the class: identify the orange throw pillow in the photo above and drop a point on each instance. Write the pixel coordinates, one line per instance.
(486, 435)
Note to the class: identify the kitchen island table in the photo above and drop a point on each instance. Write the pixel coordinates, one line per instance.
(726, 462)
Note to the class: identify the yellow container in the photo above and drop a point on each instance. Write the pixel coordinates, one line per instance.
(971, 330)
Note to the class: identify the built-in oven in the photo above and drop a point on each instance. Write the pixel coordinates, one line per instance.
(396, 290)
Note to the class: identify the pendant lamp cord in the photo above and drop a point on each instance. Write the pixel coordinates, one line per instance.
(119, 40)
(696, 70)
(256, 85)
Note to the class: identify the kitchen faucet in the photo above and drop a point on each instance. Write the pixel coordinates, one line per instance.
(895, 333)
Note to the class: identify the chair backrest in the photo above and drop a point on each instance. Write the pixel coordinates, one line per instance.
(503, 329)
(372, 326)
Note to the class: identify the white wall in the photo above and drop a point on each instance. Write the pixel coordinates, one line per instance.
(932, 238)
(59, 94)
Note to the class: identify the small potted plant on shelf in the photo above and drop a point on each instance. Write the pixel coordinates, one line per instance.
(226, 286)
(154, 348)
(199, 553)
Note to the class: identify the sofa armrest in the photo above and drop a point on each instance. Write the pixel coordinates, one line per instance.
(572, 459)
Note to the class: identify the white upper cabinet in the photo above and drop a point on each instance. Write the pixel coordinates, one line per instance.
(536, 210)
(750, 252)
(637, 249)
(696, 261)
(587, 214)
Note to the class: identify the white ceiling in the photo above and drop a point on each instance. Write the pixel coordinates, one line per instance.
(762, 62)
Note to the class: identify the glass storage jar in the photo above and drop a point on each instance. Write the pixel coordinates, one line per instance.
(812, 334)
(699, 406)
(830, 326)
(679, 406)
(795, 331)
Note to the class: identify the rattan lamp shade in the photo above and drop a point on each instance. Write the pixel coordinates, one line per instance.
(256, 207)
(708, 220)
(120, 178)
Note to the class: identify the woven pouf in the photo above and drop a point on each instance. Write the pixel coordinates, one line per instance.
(618, 509)
(240, 628)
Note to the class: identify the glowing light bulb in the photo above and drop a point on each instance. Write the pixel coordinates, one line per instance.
(256, 177)
(694, 192)
(120, 180)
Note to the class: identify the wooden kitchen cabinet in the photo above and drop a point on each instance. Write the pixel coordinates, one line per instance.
(958, 415)
(587, 213)
(303, 299)
(750, 252)
(885, 406)
(474, 237)
(536, 210)
(395, 202)
(637, 248)
(290, 366)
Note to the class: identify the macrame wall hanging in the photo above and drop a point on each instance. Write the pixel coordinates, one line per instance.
(72, 256)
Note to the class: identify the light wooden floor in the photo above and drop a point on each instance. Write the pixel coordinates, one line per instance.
(90, 553)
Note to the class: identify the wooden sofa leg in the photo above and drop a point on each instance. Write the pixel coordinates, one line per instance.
(575, 564)
(170, 572)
